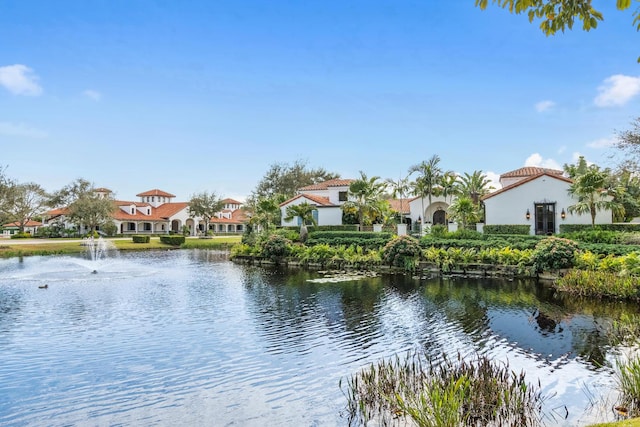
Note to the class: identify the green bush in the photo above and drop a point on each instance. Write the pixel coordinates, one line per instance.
(554, 253)
(439, 231)
(349, 234)
(596, 236)
(625, 226)
(465, 234)
(402, 251)
(172, 239)
(21, 236)
(276, 246)
(312, 228)
(141, 239)
(507, 229)
(368, 240)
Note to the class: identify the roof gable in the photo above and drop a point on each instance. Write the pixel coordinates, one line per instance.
(528, 171)
(317, 200)
(155, 192)
(338, 182)
(524, 181)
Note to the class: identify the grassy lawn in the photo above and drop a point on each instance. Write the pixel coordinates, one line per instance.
(626, 423)
(70, 246)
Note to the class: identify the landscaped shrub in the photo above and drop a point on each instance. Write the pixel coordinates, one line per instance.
(368, 240)
(288, 233)
(439, 231)
(464, 234)
(595, 236)
(625, 227)
(402, 251)
(314, 228)
(507, 229)
(599, 284)
(20, 236)
(141, 239)
(554, 253)
(276, 246)
(173, 240)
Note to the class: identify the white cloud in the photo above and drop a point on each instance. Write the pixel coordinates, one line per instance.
(544, 106)
(20, 80)
(602, 143)
(92, 94)
(20, 129)
(538, 161)
(495, 180)
(617, 90)
(562, 149)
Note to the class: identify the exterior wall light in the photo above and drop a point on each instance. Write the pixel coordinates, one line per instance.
(528, 215)
(563, 214)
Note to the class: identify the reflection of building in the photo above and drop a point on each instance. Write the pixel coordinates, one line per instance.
(157, 213)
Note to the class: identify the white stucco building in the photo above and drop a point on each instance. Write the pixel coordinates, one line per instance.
(327, 197)
(537, 197)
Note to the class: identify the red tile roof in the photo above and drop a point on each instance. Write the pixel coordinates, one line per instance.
(400, 205)
(30, 223)
(231, 201)
(239, 216)
(102, 190)
(57, 211)
(524, 181)
(530, 171)
(155, 192)
(318, 200)
(326, 184)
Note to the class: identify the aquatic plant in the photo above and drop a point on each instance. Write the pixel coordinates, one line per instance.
(628, 381)
(478, 392)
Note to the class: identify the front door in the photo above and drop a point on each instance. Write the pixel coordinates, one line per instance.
(545, 218)
(439, 217)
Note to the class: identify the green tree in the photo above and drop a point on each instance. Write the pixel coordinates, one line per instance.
(86, 206)
(427, 182)
(399, 190)
(24, 202)
(365, 195)
(630, 197)
(304, 211)
(449, 185)
(464, 211)
(558, 15)
(283, 180)
(474, 185)
(590, 190)
(205, 205)
(7, 187)
(266, 213)
(575, 170)
(628, 141)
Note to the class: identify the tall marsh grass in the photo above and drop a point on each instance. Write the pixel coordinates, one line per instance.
(480, 392)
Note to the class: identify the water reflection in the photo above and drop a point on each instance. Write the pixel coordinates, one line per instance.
(186, 337)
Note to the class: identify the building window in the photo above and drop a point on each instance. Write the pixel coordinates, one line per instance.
(147, 226)
(133, 211)
(342, 196)
(131, 226)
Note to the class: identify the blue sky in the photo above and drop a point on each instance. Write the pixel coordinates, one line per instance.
(205, 95)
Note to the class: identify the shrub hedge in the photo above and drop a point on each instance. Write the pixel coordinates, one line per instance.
(507, 229)
(313, 228)
(141, 239)
(624, 226)
(173, 239)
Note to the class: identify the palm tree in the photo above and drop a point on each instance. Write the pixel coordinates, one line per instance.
(474, 186)
(464, 211)
(366, 194)
(448, 185)
(304, 211)
(426, 184)
(266, 213)
(590, 190)
(399, 190)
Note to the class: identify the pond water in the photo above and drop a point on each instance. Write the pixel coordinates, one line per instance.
(189, 338)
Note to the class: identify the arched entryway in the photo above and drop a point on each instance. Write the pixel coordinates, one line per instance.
(175, 226)
(439, 217)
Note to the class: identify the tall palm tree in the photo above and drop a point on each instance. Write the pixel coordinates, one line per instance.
(366, 194)
(304, 211)
(449, 185)
(426, 184)
(399, 190)
(266, 213)
(590, 190)
(474, 185)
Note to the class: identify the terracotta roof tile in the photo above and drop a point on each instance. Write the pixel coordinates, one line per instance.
(400, 205)
(318, 200)
(530, 171)
(231, 201)
(30, 223)
(155, 192)
(338, 182)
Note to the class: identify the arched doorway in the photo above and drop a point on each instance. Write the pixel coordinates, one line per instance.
(439, 217)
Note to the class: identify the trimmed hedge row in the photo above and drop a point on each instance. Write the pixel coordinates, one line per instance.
(507, 229)
(141, 239)
(173, 240)
(349, 234)
(348, 241)
(571, 228)
(312, 228)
